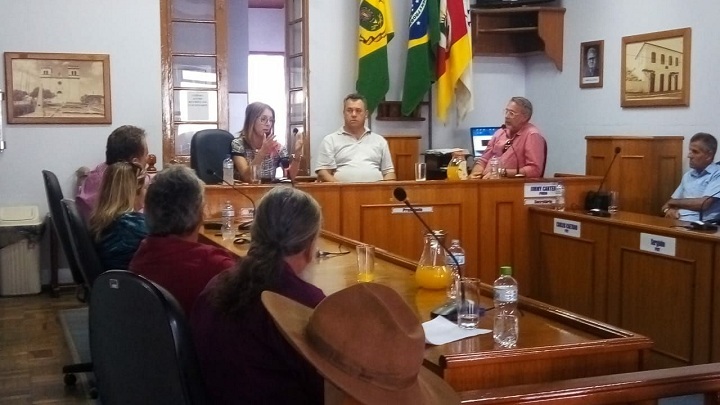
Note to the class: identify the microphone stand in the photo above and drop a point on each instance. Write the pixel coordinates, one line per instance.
(699, 225)
(449, 309)
(244, 225)
(517, 159)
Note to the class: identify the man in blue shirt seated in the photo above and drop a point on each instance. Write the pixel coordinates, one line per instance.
(699, 189)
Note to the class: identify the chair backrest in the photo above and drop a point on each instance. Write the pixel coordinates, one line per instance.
(141, 344)
(542, 171)
(83, 247)
(54, 197)
(208, 149)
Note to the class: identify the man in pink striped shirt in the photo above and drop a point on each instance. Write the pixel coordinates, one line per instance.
(518, 145)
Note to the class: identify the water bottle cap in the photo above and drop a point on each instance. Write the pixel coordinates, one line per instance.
(506, 270)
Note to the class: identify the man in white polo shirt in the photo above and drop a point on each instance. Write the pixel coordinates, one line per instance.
(354, 153)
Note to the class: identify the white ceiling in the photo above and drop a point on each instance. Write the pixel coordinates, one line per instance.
(266, 3)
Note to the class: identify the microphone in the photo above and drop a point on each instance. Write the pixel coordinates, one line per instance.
(597, 202)
(699, 225)
(212, 173)
(449, 309)
(517, 160)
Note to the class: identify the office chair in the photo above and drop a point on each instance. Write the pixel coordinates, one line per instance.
(83, 247)
(141, 343)
(542, 171)
(55, 196)
(208, 149)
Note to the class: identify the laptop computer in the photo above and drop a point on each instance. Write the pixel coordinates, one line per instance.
(479, 137)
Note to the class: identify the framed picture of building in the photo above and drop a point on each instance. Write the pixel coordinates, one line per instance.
(591, 64)
(57, 88)
(656, 69)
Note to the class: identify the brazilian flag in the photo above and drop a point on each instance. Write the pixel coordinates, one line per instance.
(424, 34)
(376, 30)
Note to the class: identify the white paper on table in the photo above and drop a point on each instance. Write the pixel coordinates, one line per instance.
(440, 330)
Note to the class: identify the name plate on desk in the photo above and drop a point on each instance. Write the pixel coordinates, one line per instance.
(566, 227)
(407, 210)
(540, 193)
(657, 244)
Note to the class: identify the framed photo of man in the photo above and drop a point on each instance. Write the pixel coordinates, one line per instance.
(591, 64)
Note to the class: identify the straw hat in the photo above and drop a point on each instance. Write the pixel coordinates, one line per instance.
(367, 341)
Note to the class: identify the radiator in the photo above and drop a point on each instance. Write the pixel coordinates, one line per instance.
(20, 268)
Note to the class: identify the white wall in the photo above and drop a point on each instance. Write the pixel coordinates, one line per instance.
(129, 31)
(266, 28)
(567, 113)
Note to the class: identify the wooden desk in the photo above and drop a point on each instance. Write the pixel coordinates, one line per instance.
(488, 216)
(606, 274)
(553, 344)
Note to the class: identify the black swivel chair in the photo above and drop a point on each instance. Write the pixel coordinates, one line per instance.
(55, 196)
(208, 149)
(83, 247)
(141, 343)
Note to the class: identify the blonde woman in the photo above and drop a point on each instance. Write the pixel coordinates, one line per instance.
(256, 146)
(117, 225)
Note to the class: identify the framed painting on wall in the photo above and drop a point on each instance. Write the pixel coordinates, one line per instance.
(656, 69)
(58, 88)
(591, 64)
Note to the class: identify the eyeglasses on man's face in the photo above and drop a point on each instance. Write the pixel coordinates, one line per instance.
(265, 119)
(510, 113)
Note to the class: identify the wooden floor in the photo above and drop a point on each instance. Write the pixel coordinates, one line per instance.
(33, 351)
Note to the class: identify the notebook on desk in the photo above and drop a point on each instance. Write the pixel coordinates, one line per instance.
(480, 137)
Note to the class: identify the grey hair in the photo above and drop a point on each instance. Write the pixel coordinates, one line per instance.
(287, 221)
(707, 140)
(525, 104)
(174, 202)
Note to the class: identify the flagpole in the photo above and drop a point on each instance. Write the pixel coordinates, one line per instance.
(430, 118)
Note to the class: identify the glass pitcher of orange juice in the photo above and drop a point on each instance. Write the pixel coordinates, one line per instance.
(432, 272)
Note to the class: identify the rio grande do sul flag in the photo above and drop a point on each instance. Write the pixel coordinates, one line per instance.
(423, 37)
(375, 31)
(454, 65)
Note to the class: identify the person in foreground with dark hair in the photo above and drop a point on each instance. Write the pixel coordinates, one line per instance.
(243, 357)
(125, 144)
(171, 254)
(699, 189)
(367, 343)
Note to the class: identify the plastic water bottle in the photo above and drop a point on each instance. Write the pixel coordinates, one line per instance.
(560, 197)
(228, 222)
(456, 250)
(494, 167)
(228, 170)
(505, 291)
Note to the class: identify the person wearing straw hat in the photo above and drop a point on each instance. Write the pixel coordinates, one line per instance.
(243, 356)
(367, 343)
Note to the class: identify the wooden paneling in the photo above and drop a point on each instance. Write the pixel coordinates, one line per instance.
(668, 298)
(489, 217)
(405, 152)
(647, 170)
(645, 386)
(571, 272)
(665, 297)
(518, 31)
